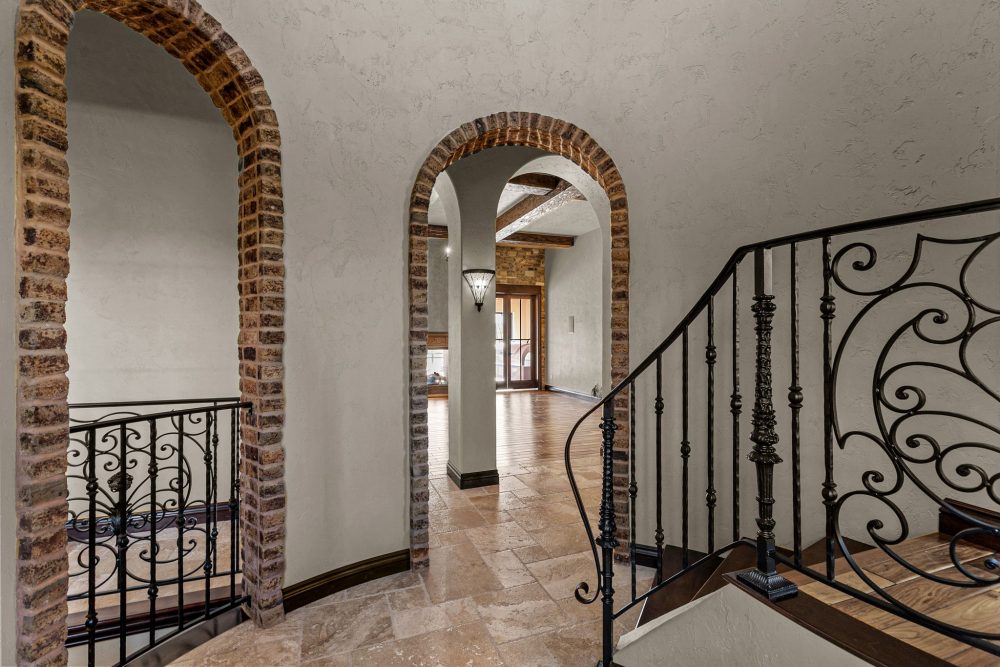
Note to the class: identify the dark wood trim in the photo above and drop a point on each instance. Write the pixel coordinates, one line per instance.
(472, 480)
(537, 180)
(950, 524)
(312, 589)
(137, 619)
(577, 394)
(854, 636)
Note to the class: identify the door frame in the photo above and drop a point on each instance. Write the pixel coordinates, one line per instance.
(534, 291)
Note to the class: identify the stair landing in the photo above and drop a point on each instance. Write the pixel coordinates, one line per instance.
(976, 608)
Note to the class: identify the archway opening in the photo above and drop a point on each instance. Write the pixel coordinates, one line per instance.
(42, 245)
(505, 129)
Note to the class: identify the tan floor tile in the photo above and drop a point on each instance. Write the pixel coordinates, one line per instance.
(456, 572)
(344, 626)
(573, 646)
(498, 502)
(531, 554)
(518, 612)
(461, 612)
(577, 612)
(562, 540)
(560, 576)
(492, 518)
(501, 537)
(453, 537)
(546, 483)
(454, 647)
(408, 598)
(418, 621)
(508, 569)
(540, 517)
(447, 520)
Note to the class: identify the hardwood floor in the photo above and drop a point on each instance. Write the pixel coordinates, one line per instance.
(976, 608)
(532, 427)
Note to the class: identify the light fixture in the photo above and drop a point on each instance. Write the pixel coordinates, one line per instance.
(447, 252)
(479, 281)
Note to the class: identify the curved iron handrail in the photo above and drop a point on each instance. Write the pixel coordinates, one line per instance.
(726, 274)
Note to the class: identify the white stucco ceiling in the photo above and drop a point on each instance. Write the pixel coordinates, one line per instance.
(571, 219)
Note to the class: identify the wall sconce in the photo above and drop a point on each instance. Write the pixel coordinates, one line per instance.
(479, 281)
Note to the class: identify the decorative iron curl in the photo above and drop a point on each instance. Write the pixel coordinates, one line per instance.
(896, 405)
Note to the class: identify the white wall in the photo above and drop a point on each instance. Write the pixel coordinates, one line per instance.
(730, 121)
(573, 289)
(437, 285)
(152, 310)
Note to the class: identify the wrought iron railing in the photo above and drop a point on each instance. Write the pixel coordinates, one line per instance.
(153, 522)
(865, 382)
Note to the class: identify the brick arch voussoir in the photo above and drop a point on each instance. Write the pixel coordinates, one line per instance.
(42, 227)
(512, 128)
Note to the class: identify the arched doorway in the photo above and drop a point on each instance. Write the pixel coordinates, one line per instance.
(504, 129)
(186, 31)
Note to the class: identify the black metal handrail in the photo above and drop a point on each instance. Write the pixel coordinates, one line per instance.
(764, 437)
(145, 497)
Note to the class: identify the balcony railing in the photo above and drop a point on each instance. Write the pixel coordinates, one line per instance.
(153, 522)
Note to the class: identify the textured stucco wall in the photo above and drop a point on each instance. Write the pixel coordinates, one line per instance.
(152, 309)
(573, 288)
(730, 122)
(437, 285)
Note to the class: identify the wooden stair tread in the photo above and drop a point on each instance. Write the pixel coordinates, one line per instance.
(973, 608)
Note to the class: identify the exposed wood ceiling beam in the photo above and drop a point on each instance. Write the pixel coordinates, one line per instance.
(533, 184)
(540, 241)
(518, 240)
(533, 207)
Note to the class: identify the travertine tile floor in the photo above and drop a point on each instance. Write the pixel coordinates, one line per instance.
(505, 561)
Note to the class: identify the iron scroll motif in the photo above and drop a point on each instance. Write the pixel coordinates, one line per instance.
(935, 340)
(129, 457)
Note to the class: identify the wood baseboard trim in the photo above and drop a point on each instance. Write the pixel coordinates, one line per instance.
(573, 393)
(472, 480)
(300, 594)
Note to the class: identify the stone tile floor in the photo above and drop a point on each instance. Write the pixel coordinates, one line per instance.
(505, 562)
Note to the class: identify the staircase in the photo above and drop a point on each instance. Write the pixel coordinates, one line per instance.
(892, 420)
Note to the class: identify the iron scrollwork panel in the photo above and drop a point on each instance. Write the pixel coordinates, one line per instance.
(127, 460)
(927, 324)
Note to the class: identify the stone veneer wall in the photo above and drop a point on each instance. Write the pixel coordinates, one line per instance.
(42, 243)
(526, 266)
(556, 136)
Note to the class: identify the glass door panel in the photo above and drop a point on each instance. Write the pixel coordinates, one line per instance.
(516, 340)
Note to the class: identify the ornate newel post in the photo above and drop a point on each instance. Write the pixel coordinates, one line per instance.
(765, 577)
(607, 525)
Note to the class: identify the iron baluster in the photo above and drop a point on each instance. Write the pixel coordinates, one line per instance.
(795, 398)
(210, 530)
(710, 356)
(234, 544)
(685, 450)
(633, 488)
(658, 406)
(765, 578)
(828, 308)
(607, 525)
(180, 521)
(92, 485)
(154, 547)
(119, 483)
(736, 405)
(215, 490)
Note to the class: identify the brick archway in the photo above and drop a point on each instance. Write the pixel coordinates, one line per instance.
(187, 32)
(502, 129)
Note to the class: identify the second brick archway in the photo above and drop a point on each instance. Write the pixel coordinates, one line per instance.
(504, 129)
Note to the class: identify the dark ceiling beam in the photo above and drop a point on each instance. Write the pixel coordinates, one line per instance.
(518, 240)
